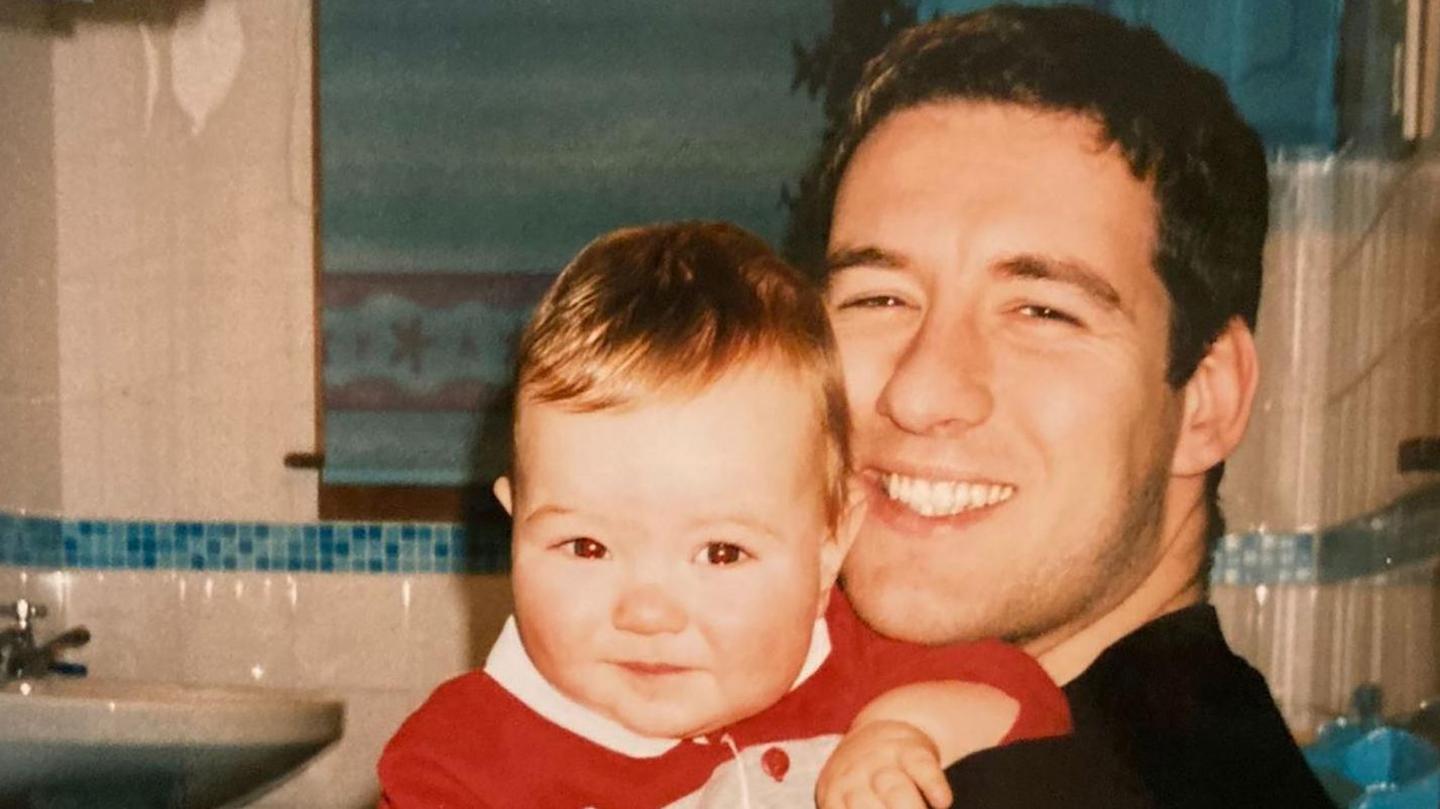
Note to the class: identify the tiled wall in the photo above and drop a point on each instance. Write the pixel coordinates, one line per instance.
(1315, 643)
(379, 642)
(1273, 482)
(354, 610)
(331, 547)
(1366, 612)
(159, 298)
(29, 313)
(157, 360)
(1349, 340)
(1383, 375)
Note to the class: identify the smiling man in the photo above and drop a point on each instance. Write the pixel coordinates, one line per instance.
(1044, 268)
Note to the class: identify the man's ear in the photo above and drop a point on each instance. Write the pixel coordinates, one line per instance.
(1217, 401)
(503, 494)
(835, 547)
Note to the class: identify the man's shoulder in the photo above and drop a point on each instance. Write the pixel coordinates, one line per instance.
(1195, 722)
(1173, 675)
(1167, 718)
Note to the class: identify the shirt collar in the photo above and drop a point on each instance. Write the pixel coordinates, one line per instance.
(511, 667)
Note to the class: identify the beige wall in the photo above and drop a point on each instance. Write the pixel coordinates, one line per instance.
(1349, 340)
(170, 154)
(1383, 378)
(1274, 479)
(29, 309)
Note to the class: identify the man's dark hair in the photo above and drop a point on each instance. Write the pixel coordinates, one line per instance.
(1173, 122)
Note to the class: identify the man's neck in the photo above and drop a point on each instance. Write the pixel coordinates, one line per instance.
(1170, 585)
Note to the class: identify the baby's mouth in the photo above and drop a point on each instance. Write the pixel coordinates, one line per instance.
(943, 498)
(652, 669)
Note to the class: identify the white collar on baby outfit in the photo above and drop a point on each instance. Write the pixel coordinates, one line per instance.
(512, 668)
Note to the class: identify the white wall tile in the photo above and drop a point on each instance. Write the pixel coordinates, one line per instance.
(29, 327)
(352, 631)
(454, 622)
(10, 578)
(240, 628)
(83, 436)
(29, 310)
(438, 631)
(134, 618)
(30, 475)
(182, 248)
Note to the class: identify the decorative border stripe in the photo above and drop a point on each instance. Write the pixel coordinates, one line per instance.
(331, 547)
(1261, 558)
(1400, 534)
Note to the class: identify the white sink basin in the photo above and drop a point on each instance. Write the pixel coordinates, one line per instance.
(78, 743)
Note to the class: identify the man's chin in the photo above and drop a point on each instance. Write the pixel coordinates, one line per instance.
(917, 614)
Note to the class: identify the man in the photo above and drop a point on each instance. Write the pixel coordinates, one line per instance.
(1044, 268)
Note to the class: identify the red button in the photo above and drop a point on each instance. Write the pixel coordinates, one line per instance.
(775, 763)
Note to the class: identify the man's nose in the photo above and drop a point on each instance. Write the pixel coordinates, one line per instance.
(941, 382)
(648, 609)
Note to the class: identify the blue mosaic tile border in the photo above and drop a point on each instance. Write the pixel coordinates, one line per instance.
(1262, 558)
(1401, 533)
(1404, 532)
(332, 547)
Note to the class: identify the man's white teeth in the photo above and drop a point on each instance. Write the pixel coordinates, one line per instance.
(943, 498)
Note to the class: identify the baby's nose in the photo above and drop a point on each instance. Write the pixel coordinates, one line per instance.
(648, 609)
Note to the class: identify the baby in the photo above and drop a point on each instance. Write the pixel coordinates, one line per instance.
(679, 495)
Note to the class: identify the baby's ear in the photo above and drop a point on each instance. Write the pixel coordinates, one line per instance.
(503, 494)
(837, 544)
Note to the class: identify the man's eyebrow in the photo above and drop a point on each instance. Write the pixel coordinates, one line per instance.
(847, 257)
(1078, 274)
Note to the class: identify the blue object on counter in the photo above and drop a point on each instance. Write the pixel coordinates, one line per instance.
(1364, 765)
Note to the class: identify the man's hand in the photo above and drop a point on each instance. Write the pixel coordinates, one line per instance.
(883, 764)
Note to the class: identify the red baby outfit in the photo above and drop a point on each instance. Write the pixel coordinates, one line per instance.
(505, 738)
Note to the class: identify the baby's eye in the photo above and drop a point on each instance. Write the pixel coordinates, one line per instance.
(722, 553)
(586, 548)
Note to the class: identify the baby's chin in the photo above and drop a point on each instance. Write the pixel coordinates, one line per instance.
(673, 727)
(681, 723)
(690, 709)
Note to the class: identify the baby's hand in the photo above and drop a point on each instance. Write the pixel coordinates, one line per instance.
(883, 764)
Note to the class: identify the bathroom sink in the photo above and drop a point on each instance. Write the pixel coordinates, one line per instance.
(79, 742)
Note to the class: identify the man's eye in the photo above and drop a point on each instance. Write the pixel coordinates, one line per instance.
(586, 548)
(872, 302)
(1042, 312)
(722, 553)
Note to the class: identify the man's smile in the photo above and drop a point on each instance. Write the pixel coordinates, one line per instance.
(934, 497)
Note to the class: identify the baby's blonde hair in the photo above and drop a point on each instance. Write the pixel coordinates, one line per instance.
(668, 309)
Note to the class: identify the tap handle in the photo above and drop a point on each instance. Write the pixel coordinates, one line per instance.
(23, 610)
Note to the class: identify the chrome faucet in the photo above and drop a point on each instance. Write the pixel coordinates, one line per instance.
(19, 656)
